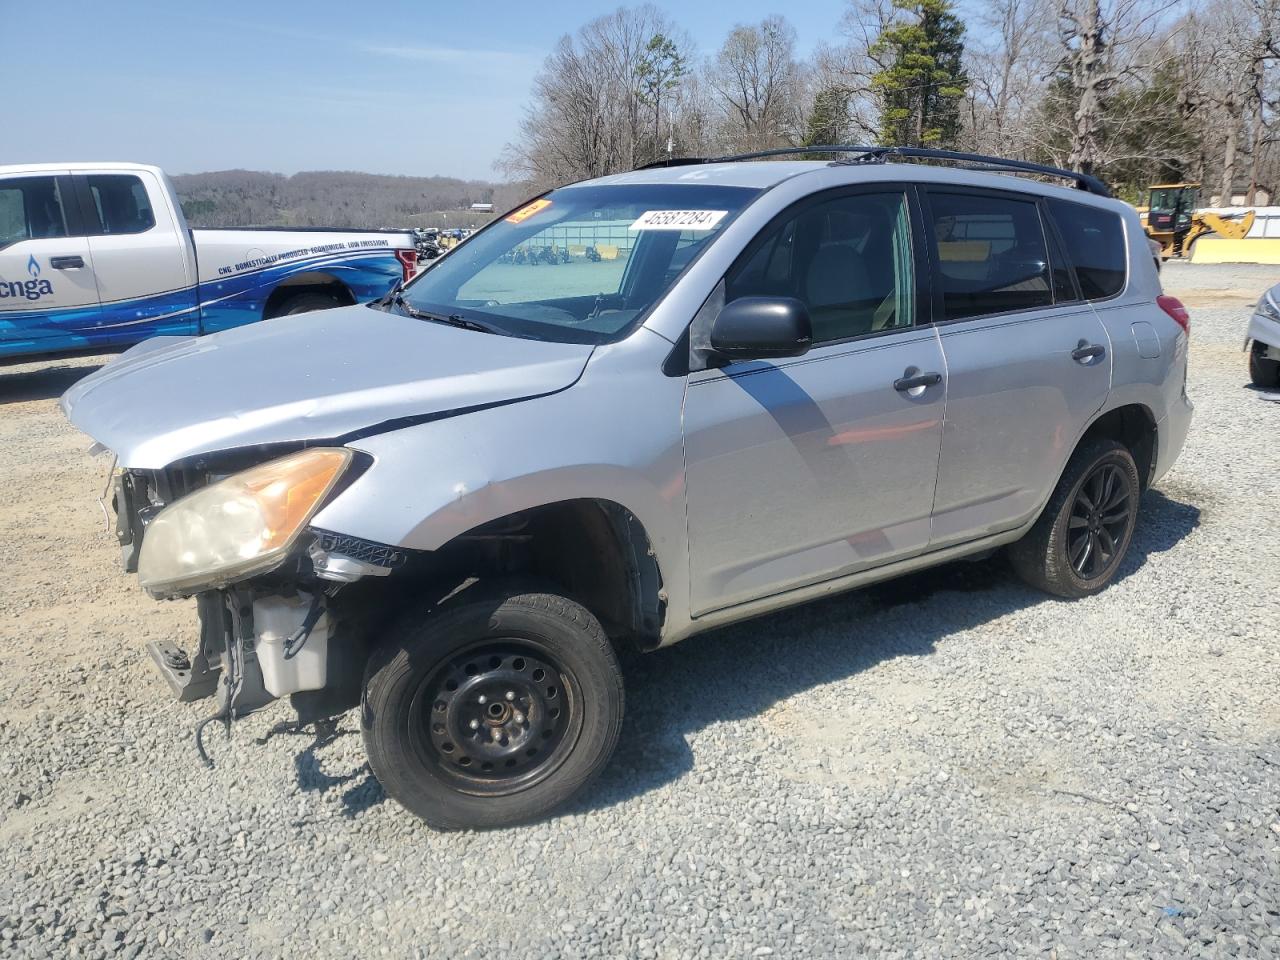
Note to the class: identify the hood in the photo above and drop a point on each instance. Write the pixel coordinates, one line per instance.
(310, 376)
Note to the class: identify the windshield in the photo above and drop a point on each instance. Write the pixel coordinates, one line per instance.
(578, 265)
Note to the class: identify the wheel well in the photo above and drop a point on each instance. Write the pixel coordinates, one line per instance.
(313, 282)
(1135, 427)
(593, 551)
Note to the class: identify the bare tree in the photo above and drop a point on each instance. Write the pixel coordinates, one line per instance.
(599, 98)
(1106, 44)
(758, 79)
(1008, 57)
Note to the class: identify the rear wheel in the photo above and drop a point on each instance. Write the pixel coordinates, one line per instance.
(493, 710)
(1262, 371)
(1077, 545)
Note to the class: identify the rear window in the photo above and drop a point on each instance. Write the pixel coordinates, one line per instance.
(991, 254)
(1095, 245)
(120, 204)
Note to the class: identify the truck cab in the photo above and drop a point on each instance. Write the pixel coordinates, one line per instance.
(88, 255)
(96, 257)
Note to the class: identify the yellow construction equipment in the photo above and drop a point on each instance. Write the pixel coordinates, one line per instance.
(1171, 219)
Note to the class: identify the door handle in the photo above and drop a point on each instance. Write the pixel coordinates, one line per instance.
(903, 384)
(66, 263)
(1087, 351)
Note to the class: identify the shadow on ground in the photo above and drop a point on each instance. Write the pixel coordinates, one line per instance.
(44, 384)
(740, 671)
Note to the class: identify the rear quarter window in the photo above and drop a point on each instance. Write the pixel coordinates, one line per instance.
(1094, 240)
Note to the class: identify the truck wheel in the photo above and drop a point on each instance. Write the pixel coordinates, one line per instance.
(493, 709)
(1076, 546)
(1263, 372)
(304, 303)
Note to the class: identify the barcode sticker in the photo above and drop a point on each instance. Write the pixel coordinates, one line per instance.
(679, 219)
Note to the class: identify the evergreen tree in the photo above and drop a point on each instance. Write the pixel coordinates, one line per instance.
(662, 66)
(922, 81)
(829, 117)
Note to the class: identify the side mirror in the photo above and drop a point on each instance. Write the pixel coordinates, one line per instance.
(761, 328)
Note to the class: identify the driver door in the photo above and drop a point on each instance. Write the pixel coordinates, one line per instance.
(48, 290)
(806, 469)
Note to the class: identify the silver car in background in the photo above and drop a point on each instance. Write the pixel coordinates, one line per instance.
(632, 410)
(1262, 340)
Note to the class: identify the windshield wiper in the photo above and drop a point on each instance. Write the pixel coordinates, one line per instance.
(396, 299)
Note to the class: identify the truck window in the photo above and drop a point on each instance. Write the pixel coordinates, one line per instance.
(121, 204)
(991, 254)
(1095, 245)
(30, 209)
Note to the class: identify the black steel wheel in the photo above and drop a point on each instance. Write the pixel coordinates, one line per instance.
(493, 709)
(1076, 546)
(495, 718)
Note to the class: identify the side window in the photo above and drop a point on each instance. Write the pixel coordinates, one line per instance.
(120, 203)
(30, 209)
(991, 254)
(848, 258)
(1095, 245)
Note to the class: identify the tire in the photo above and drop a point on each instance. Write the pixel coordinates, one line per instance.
(304, 303)
(1050, 556)
(449, 675)
(1262, 372)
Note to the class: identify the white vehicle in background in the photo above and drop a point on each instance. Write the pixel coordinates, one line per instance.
(1262, 340)
(98, 257)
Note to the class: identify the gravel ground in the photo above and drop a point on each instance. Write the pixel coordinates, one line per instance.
(949, 765)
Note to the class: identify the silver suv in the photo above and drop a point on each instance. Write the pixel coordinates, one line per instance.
(632, 410)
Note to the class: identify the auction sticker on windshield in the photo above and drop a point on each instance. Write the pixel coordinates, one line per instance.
(679, 219)
(528, 210)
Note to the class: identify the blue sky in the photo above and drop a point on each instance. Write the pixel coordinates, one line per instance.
(386, 87)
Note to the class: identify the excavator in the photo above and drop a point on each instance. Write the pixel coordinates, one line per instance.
(1171, 219)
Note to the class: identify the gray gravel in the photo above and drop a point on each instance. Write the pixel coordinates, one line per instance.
(951, 765)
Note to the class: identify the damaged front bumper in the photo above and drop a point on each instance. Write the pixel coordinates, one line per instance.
(271, 636)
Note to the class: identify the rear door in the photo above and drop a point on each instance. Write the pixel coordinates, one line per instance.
(1028, 361)
(139, 254)
(48, 292)
(802, 470)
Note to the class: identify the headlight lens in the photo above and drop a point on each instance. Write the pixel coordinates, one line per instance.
(1267, 307)
(239, 526)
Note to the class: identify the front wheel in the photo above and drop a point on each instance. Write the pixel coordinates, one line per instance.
(492, 710)
(1076, 546)
(1262, 371)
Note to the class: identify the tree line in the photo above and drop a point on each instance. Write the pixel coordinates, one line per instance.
(234, 198)
(1134, 91)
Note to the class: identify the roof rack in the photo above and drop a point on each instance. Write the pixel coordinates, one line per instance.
(866, 154)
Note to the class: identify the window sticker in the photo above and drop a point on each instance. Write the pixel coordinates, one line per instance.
(679, 219)
(528, 210)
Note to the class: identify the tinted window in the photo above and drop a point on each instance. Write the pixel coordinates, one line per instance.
(1095, 244)
(991, 254)
(849, 259)
(30, 209)
(121, 203)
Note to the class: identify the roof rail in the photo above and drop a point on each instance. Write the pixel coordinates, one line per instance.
(867, 154)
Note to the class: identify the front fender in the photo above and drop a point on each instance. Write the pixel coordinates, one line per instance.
(615, 435)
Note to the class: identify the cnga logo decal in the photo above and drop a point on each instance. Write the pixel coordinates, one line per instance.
(32, 289)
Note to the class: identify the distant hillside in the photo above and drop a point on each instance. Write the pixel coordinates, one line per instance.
(324, 198)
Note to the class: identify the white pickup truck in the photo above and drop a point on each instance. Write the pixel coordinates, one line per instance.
(98, 256)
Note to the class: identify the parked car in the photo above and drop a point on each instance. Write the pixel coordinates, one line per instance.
(98, 256)
(1262, 340)
(452, 506)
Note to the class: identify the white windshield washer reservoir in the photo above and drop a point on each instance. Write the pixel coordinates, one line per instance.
(280, 625)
